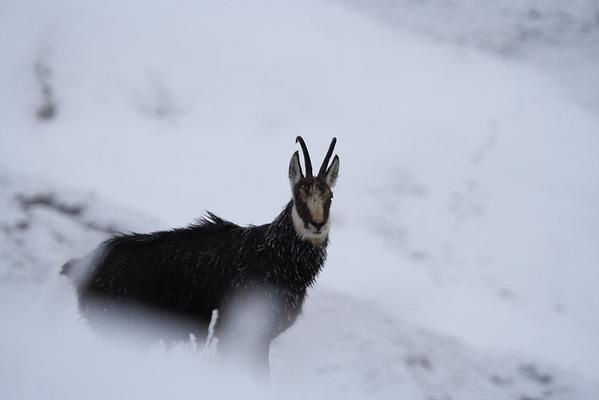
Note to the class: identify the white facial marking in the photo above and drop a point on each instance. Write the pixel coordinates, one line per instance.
(309, 233)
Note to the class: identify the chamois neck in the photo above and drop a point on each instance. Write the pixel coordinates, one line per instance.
(300, 260)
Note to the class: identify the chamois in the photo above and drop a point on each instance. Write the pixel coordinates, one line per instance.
(214, 264)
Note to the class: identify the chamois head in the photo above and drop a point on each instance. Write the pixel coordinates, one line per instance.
(312, 195)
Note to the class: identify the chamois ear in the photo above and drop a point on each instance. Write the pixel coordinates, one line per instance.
(295, 169)
(330, 176)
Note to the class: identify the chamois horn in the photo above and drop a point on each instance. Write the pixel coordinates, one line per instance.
(325, 163)
(307, 160)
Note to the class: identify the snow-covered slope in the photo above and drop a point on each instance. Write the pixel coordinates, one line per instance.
(466, 204)
(558, 37)
(342, 347)
(43, 226)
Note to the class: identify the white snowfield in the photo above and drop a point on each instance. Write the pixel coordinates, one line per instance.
(464, 255)
(342, 347)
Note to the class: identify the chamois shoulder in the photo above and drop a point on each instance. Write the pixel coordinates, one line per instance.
(212, 221)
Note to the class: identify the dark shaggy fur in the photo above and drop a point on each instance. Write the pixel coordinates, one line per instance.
(186, 274)
(192, 271)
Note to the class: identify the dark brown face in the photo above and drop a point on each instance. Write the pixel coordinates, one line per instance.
(312, 200)
(312, 196)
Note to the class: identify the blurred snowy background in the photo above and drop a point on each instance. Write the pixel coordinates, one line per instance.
(464, 256)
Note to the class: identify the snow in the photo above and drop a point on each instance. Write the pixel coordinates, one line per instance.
(560, 38)
(464, 247)
(342, 347)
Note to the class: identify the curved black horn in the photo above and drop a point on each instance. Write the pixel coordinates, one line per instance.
(325, 163)
(307, 160)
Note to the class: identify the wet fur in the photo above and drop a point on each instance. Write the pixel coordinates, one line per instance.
(189, 272)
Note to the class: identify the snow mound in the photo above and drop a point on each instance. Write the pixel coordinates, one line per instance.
(42, 226)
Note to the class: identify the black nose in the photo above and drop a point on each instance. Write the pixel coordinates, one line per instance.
(318, 226)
